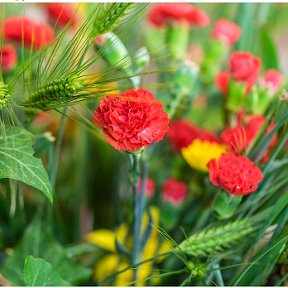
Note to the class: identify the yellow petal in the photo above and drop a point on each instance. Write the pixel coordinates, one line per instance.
(105, 267)
(103, 238)
(200, 152)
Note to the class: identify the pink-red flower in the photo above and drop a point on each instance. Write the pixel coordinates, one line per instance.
(132, 120)
(31, 33)
(149, 187)
(174, 191)
(222, 81)
(235, 174)
(226, 31)
(8, 57)
(272, 79)
(182, 133)
(175, 13)
(245, 67)
(61, 13)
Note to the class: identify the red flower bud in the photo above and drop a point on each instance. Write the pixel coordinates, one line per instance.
(174, 191)
(245, 67)
(18, 29)
(273, 80)
(162, 14)
(235, 174)
(131, 120)
(222, 82)
(8, 57)
(226, 31)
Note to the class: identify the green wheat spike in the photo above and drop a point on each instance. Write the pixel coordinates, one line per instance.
(4, 95)
(56, 90)
(216, 239)
(108, 15)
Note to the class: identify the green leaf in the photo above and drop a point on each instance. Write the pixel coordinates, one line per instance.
(38, 272)
(17, 161)
(269, 52)
(261, 265)
(38, 242)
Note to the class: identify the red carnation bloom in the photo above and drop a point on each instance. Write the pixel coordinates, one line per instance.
(181, 133)
(236, 139)
(226, 31)
(222, 82)
(174, 191)
(18, 29)
(245, 67)
(149, 187)
(131, 120)
(61, 13)
(162, 14)
(235, 174)
(240, 137)
(8, 58)
(272, 79)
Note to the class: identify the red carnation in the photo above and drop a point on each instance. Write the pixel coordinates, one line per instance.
(235, 174)
(18, 29)
(272, 79)
(131, 120)
(8, 58)
(162, 14)
(245, 67)
(236, 139)
(61, 13)
(174, 191)
(181, 133)
(226, 31)
(149, 187)
(222, 82)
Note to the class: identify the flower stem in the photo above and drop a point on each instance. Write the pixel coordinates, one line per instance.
(138, 206)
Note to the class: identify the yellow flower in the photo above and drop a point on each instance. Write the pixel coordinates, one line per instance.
(111, 263)
(200, 152)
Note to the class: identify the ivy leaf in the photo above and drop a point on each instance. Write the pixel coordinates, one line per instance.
(17, 161)
(38, 272)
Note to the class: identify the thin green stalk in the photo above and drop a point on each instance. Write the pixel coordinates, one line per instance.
(138, 199)
(60, 135)
(218, 275)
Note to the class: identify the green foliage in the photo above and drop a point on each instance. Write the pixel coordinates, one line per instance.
(39, 243)
(18, 163)
(216, 239)
(269, 52)
(38, 272)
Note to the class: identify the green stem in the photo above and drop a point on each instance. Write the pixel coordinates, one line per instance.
(138, 205)
(54, 169)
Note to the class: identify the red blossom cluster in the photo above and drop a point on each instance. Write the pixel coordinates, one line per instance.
(149, 187)
(182, 133)
(240, 137)
(226, 31)
(61, 13)
(174, 191)
(8, 57)
(25, 30)
(132, 120)
(245, 68)
(235, 174)
(174, 13)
